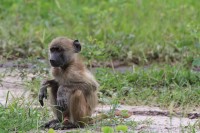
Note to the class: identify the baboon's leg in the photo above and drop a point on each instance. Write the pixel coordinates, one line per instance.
(79, 109)
(53, 100)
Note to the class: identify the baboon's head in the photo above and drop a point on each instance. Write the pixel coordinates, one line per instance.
(62, 51)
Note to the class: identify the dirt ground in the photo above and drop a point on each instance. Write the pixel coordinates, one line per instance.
(159, 120)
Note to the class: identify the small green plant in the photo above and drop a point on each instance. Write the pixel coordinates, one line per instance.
(122, 128)
(107, 129)
(51, 131)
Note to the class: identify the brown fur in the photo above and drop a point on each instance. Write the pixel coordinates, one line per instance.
(75, 84)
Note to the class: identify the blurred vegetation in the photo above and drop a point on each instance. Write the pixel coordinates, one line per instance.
(140, 31)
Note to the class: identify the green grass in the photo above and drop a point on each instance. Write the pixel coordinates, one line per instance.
(152, 86)
(20, 116)
(136, 30)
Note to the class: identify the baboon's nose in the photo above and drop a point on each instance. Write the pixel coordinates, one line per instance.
(53, 63)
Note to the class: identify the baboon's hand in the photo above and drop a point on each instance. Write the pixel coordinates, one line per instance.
(62, 103)
(43, 90)
(43, 93)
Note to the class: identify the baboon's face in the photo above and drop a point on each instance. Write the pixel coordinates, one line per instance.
(57, 58)
(62, 50)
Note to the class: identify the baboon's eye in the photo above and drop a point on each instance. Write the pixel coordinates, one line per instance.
(56, 49)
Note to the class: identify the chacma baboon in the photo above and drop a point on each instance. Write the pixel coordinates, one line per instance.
(73, 90)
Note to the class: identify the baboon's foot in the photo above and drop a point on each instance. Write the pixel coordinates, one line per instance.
(57, 125)
(50, 124)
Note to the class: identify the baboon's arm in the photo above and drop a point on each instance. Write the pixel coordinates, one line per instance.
(43, 90)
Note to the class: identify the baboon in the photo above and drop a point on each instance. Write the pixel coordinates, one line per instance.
(73, 89)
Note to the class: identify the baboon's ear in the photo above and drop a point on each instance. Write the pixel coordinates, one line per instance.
(77, 46)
